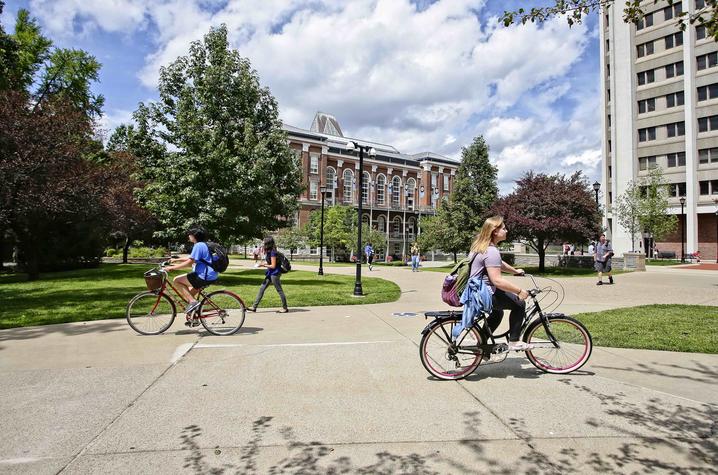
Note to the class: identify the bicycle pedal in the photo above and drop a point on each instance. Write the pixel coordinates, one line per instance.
(500, 348)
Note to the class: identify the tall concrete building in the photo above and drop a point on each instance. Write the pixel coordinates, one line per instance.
(660, 98)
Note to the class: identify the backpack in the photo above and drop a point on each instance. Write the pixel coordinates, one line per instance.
(219, 259)
(455, 283)
(284, 264)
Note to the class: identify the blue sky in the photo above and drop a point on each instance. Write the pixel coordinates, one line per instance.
(421, 75)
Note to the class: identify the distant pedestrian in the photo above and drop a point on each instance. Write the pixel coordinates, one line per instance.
(272, 275)
(655, 251)
(572, 249)
(257, 254)
(369, 253)
(602, 258)
(415, 257)
(592, 248)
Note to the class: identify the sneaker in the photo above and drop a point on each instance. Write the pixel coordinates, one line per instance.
(284, 310)
(252, 309)
(600, 282)
(610, 279)
(519, 346)
(192, 323)
(191, 307)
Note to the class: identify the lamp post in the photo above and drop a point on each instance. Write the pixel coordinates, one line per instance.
(406, 199)
(351, 146)
(683, 229)
(323, 191)
(716, 202)
(596, 187)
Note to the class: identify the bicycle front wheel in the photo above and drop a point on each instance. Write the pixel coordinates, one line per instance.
(222, 313)
(149, 313)
(448, 360)
(567, 351)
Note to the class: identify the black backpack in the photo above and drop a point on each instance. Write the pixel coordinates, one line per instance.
(284, 264)
(219, 256)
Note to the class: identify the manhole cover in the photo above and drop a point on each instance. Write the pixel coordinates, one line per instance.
(404, 314)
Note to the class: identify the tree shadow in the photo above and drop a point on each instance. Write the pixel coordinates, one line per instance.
(83, 328)
(700, 373)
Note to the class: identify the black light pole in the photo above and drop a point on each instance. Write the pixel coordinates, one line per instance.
(683, 229)
(351, 146)
(596, 187)
(322, 190)
(716, 202)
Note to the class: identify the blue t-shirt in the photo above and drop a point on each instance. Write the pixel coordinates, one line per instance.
(368, 250)
(277, 270)
(200, 254)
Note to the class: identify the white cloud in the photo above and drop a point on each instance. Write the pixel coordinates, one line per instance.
(421, 79)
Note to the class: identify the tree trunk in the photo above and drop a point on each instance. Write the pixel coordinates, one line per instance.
(2, 252)
(126, 250)
(542, 256)
(454, 257)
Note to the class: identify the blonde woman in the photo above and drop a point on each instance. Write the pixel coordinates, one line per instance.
(506, 296)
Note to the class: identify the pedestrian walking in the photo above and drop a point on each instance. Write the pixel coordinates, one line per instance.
(592, 248)
(369, 253)
(273, 274)
(415, 257)
(602, 258)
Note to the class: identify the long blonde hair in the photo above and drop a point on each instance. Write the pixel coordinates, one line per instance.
(483, 239)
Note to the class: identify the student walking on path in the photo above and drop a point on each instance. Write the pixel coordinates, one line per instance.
(273, 274)
(369, 252)
(602, 258)
(415, 257)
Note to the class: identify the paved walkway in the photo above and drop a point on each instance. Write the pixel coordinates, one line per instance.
(341, 390)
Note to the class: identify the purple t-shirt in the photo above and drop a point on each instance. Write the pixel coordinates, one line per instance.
(490, 258)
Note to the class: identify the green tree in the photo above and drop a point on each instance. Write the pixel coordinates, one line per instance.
(653, 207)
(627, 210)
(291, 238)
(441, 232)
(340, 228)
(213, 150)
(474, 191)
(633, 12)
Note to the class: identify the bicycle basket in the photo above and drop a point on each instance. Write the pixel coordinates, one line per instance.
(154, 279)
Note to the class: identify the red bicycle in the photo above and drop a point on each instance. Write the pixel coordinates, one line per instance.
(153, 311)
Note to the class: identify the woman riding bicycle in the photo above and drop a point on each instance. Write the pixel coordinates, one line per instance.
(488, 265)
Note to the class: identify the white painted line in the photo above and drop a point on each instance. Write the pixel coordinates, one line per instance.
(180, 352)
(340, 343)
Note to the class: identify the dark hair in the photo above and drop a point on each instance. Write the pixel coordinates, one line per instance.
(198, 232)
(269, 244)
(602, 234)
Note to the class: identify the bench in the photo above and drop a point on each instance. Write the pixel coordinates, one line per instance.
(666, 255)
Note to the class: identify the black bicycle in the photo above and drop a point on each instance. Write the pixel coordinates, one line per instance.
(560, 343)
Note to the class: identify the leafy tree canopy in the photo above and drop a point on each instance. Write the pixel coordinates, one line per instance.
(212, 149)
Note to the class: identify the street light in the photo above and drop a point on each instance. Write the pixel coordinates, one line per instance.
(683, 229)
(716, 202)
(596, 187)
(352, 146)
(322, 190)
(406, 198)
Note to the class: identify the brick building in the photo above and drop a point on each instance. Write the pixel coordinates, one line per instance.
(398, 188)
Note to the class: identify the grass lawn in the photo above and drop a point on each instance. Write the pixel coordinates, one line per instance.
(663, 262)
(549, 272)
(96, 294)
(689, 328)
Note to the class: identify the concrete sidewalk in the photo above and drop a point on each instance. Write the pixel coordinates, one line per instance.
(341, 390)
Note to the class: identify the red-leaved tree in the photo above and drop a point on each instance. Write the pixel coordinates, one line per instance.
(548, 208)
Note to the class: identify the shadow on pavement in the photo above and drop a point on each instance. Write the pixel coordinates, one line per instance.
(700, 373)
(74, 329)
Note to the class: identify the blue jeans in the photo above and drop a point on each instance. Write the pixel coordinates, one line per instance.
(414, 262)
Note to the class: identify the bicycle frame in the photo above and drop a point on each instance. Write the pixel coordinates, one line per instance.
(178, 297)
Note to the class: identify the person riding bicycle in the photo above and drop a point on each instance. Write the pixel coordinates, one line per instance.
(506, 296)
(202, 274)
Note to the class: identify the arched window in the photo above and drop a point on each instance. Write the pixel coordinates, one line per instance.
(380, 189)
(395, 191)
(410, 227)
(365, 187)
(348, 185)
(397, 226)
(381, 223)
(365, 219)
(331, 183)
(411, 193)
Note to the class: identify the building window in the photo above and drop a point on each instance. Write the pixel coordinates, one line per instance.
(396, 191)
(675, 99)
(700, 32)
(674, 41)
(446, 177)
(677, 189)
(313, 163)
(348, 185)
(608, 47)
(675, 69)
(397, 226)
(705, 61)
(676, 129)
(644, 49)
(647, 134)
(708, 92)
(672, 11)
(380, 189)
(676, 159)
(609, 120)
(646, 77)
(313, 190)
(714, 187)
(646, 105)
(366, 182)
(708, 123)
(645, 22)
(700, 4)
(609, 145)
(608, 95)
(381, 223)
(708, 155)
(644, 163)
(704, 188)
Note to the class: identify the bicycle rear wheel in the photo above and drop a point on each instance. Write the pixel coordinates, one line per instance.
(573, 340)
(222, 313)
(149, 313)
(446, 360)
